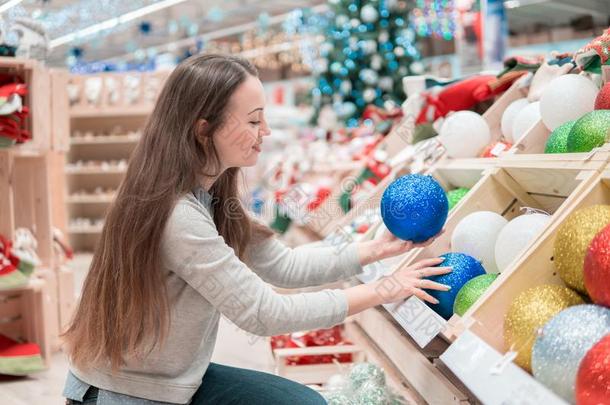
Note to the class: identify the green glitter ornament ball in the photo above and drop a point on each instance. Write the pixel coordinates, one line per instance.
(558, 140)
(589, 131)
(471, 291)
(454, 196)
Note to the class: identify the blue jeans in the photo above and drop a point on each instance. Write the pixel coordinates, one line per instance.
(225, 385)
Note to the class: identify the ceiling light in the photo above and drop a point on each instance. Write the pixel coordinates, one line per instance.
(113, 22)
(512, 3)
(9, 4)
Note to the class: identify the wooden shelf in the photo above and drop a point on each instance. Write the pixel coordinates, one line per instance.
(105, 140)
(118, 111)
(92, 229)
(85, 171)
(90, 199)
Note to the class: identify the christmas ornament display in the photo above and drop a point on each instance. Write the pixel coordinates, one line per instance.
(526, 118)
(476, 236)
(454, 196)
(602, 101)
(529, 312)
(471, 292)
(516, 236)
(414, 207)
(464, 268)
(509, 115)
(464, 134)
(562, 344)
(573, 239)
(566, 98)
(597, 268)
(557, 142)
(590, 131)
(593, 377)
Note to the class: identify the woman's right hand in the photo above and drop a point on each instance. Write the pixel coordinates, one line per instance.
(412, 280)
(398, 286)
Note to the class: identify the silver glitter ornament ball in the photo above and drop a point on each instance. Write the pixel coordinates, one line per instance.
(371, 394)
(563, 342)
(364, 372)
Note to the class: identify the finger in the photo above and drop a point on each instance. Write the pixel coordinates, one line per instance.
(437, 271)
(433, 285)
(427, 263)
(421, 294)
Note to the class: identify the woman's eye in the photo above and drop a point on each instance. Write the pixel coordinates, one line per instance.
(255, 122)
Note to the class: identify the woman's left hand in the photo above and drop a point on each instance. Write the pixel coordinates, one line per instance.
(388, 245)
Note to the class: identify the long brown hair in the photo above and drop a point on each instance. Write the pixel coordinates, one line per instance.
(124, 306)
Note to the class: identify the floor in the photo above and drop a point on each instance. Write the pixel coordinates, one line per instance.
(46, 387)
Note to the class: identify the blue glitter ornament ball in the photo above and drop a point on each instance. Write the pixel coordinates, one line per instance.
(414, 207)
(465, 268)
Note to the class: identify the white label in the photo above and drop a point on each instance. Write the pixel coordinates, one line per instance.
(418, 319)
(493, 379)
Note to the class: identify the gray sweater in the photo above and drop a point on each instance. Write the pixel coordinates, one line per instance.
(206, 279)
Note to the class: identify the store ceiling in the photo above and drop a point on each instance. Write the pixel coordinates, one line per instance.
(170, 24)
(182, 20)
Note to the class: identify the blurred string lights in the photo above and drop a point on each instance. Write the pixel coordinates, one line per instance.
(434, 18)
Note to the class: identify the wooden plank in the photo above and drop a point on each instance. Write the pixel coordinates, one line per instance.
(7, 205)
(60, 110)
(533, 141)
(421, 374)
(66, 295)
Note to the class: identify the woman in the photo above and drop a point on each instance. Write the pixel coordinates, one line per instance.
(172, 258)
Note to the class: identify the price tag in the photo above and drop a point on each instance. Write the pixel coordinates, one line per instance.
(419, 320)
(491, 378)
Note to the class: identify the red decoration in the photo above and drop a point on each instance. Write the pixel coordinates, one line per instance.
(597, 268)
(593, 378)
(495, 149)
(321, 195)
(602, 101)
(321, 337)
(459, 96)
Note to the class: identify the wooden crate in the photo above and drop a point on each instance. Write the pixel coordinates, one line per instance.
(506, 189)
(24, 313)
(66, 295)
(36, 77)
(313, 373)
(25, 198)
(535, 267)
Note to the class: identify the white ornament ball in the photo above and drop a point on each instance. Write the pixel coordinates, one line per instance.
(386, 83)
(341, 20)
(476, 236)
(369, 14)
(354, 22)
(384, 36)
(399, 51)
(509, 117)
(376, 62)
(369, 94)
(525, 119)
(566, 98)
(516, 236)
(464, 134)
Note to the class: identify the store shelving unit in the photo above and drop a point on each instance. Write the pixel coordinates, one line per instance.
(106, 112)
(31, 196)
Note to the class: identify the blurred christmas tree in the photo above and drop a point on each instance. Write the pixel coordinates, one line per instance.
(369, 48)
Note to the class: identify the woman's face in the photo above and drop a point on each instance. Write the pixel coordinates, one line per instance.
(239, 140)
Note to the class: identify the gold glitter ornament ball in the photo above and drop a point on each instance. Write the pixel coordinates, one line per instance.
(529, 312)
(573, 239)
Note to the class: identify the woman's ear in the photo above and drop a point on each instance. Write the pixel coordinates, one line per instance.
(201, 129)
